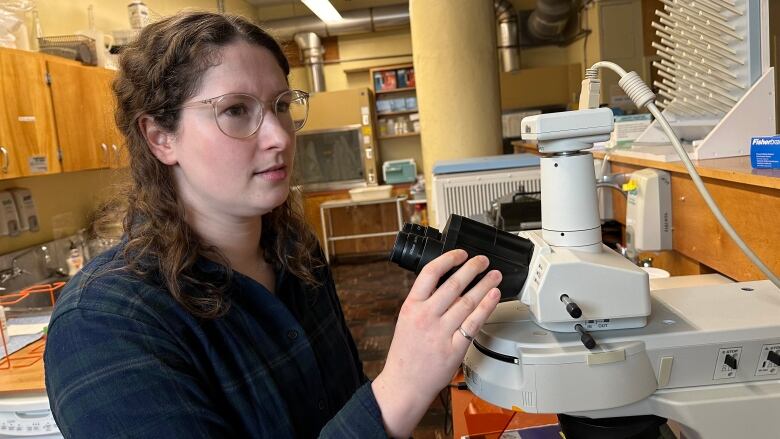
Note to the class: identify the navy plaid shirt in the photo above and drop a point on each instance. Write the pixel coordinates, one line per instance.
(124, 359)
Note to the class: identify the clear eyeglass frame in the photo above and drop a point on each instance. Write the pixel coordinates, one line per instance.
(291, 101)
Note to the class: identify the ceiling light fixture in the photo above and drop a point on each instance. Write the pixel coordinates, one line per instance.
(324, 10)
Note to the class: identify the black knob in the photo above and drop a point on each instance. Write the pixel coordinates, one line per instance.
(730, 361)
(574, 310)
(587, 340)
(571, 307)
(774, 357)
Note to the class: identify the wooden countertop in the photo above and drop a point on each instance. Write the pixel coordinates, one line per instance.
(734, 169)
(26, 372)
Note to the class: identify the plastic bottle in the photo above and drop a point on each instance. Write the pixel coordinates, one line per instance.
(75, 260)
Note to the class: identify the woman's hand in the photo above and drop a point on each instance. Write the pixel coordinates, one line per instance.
(428, 346)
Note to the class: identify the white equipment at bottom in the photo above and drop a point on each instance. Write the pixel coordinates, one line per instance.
(27, 415)
(708, 359)
(468, 187)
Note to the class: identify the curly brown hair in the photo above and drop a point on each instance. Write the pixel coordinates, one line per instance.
(158, 72)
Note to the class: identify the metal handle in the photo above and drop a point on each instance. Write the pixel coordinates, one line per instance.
(106, 157)
(116, 153)
(5, 159)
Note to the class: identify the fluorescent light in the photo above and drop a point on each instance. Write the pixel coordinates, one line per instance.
(324, 10)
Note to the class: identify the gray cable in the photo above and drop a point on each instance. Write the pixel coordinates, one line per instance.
(641, 94)
(706, 195)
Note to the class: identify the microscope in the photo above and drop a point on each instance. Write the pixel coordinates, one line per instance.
(578, 331)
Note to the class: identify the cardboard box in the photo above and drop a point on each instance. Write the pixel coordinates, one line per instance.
(765, 152)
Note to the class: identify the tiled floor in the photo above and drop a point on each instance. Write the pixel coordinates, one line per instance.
(371, 294)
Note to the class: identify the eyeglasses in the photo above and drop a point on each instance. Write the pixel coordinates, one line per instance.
(240, 115)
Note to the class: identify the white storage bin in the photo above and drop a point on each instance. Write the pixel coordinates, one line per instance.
(371, 193)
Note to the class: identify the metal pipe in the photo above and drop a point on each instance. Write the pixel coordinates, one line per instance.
(508, 49)
(355, 22)
(313, 51)
(307, 31)
(549, 18)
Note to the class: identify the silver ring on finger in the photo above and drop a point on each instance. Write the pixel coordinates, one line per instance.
(465, 334)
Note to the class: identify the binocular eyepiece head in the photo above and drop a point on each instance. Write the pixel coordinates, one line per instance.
(416, 245)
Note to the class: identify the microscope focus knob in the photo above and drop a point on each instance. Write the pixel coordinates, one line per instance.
(585, 337)
(571, 307)
(774, 357)
(730, 362)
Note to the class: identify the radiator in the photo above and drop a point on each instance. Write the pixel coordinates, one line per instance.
(471, 193)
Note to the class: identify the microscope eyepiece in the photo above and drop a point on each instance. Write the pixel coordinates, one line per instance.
(416, 245)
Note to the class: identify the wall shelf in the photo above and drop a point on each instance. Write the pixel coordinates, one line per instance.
(396, 90)
(396, 136)
(397, 113)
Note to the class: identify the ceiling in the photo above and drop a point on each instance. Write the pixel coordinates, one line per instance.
(268, 2)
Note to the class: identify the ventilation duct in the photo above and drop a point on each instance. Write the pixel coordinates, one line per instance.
(549, 19)
(508, 49)
(307, 31)
(359, 21)
(312, 51)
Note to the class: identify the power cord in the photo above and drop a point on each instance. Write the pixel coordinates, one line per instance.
(643, 96)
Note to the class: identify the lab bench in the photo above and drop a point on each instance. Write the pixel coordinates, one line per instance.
(326, 210)
(749, 198)
(356, 220)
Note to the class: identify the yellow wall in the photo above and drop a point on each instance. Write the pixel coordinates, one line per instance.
(75, 195)
(63, 202)
(60, 17)
(543, 64)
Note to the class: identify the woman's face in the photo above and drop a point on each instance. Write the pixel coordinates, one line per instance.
(218, 174)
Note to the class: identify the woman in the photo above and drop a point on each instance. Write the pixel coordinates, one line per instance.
(215, 316)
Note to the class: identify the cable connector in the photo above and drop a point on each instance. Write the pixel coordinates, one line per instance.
(636, 89)
(590, 95)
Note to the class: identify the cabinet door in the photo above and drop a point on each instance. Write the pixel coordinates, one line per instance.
(29, 119)
(9, 158)
(113, 138)
(78, 99)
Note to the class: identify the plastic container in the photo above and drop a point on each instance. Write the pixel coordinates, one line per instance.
(399, 171)
(371, 193)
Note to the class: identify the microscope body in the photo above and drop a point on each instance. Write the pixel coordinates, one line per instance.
(707, 357)
(569, 258)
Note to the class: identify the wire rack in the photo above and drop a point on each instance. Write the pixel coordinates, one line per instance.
(76, 47)
(35, 355)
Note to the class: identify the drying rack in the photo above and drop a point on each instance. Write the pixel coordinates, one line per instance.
(24, 358)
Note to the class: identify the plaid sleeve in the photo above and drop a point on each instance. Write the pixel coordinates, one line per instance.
(112, 376)
(359, 418)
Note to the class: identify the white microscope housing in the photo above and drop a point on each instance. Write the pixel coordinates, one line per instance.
(707, 357)
(569, 263)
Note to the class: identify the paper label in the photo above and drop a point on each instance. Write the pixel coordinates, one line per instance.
(39, 164)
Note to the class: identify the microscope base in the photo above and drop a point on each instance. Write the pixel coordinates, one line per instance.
(680, 366)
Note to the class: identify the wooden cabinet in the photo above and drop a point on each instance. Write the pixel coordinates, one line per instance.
(78, 96)
(118, 157)
(27, 133)
(355, 220)
(9, 166)
(55, 115)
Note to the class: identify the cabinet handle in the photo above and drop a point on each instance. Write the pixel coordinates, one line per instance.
(5, 159)
(106, 157)
(116, 153)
